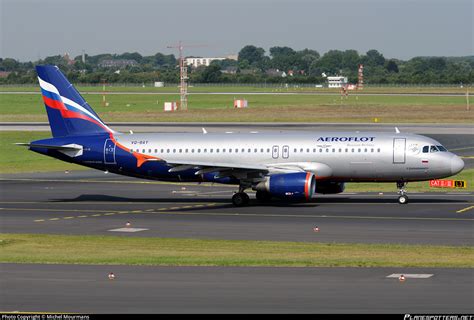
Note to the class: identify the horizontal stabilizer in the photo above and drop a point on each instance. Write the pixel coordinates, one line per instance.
(69, 147)
(72, 150)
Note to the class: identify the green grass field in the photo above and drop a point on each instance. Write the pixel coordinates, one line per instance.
(16, 159)
(262, 108)
(246, 88)
(115, 250)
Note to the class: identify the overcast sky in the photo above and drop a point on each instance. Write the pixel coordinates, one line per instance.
(32, 29)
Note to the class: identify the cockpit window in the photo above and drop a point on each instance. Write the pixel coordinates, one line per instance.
(427, 149)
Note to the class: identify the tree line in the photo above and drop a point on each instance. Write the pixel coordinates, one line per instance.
(254, 65)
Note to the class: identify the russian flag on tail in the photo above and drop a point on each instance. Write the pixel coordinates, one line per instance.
(68, 112)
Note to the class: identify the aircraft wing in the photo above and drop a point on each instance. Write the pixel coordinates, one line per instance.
(222, 169)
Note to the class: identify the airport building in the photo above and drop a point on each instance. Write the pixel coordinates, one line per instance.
(200, 61)
(337, 81)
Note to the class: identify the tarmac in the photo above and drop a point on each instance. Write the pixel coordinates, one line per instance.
(139, 289)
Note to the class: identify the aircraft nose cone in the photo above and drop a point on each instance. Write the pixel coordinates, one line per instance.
(456, 164)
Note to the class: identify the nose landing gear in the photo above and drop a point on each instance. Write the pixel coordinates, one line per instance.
(402, 198)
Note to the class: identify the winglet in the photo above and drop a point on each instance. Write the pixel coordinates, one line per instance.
(204, 131)
(396, 130)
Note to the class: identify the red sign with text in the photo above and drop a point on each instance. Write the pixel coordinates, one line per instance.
(442, 183)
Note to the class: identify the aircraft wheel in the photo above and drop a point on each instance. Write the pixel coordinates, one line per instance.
(403, 199)
(240, 199)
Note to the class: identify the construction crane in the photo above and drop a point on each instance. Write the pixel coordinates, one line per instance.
(183, 74)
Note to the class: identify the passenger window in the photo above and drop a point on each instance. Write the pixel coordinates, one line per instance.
(236, 150)
(255, 150)
(320, 150)
(212, 150)
(180, 150)
(143, 151)
(314, 150)
(378, 150)
(250, 150)
(268, 150)
(327, 150)
(174, 150)
(295, 150)
(192, 150)
(167, 150)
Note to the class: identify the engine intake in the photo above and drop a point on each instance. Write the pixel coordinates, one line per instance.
(298, 185)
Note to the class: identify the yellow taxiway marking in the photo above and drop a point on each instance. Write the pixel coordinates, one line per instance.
(171, 209)
(53, 210)
(465, 209)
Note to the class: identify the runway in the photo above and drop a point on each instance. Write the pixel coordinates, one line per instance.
(138, 289)
(90, 202)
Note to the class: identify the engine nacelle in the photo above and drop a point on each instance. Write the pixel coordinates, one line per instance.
(299, 185)
(328, 187)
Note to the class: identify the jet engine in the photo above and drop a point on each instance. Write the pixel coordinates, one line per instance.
(299, 185)
(329, 187)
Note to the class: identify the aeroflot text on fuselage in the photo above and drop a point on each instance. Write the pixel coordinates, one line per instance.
(344, 139)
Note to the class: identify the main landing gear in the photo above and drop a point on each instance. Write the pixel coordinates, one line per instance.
(403, 198)
(240, 198)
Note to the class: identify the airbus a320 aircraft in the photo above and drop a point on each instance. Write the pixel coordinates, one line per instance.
(277, 165)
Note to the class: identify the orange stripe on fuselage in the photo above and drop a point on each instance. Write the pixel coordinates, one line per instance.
(141, 158)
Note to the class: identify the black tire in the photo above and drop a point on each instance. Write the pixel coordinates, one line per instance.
(263, 196)
(403, 199)
(240, 199)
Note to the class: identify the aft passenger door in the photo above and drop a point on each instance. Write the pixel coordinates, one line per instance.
(275, 151)
(109, 152)
(285, 152)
